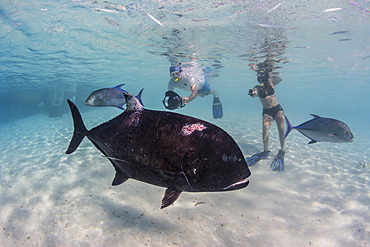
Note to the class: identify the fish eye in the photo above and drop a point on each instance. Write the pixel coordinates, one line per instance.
(229, 158)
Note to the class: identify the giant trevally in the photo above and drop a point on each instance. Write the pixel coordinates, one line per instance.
(320, 129)
(178, 152)
(111, 96)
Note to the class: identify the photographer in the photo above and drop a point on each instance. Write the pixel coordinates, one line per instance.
(194, 80)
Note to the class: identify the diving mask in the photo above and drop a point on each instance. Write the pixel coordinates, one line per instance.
(175, 72)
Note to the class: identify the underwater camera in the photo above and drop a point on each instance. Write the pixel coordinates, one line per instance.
(172, 101)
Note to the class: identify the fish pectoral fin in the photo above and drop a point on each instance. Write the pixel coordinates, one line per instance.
(170, 196)
(312, 140)
(120, 178)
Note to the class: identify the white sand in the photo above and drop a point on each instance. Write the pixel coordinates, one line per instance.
(49, 198)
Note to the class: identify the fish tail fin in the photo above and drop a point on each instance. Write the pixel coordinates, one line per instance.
(80, 130)
(289, 127)
(138, 96)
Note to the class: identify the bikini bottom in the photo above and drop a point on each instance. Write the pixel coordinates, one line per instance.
(272, 111)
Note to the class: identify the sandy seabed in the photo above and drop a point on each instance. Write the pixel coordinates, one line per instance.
(49, 198)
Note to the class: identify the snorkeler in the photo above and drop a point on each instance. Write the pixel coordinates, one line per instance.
(191, 79)
(272, 110)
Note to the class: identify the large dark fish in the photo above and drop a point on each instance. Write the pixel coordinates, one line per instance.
(320, 129)
(166, 149)
(111, 96)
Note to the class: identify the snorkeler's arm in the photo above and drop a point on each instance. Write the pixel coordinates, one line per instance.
(193, 95)
(276, 80)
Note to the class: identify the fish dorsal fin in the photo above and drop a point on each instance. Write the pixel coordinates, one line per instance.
(120, 178)
(132, 103)
(170, 196)
(119, 86)
(315, 116)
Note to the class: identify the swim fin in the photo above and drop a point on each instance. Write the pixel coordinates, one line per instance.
(217, 108)
(277, 164)
(251, 161)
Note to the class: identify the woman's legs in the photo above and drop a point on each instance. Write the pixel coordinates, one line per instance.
(266, 124)
(279, 118)
(278, 162)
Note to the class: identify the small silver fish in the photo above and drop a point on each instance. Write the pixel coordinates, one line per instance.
(340, 32)
(112, 96)
(320, 129)
(332, 9)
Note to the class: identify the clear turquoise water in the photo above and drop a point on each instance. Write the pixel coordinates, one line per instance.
(71, 48)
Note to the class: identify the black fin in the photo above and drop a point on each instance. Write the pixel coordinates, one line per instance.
(80, 130)
(120, 178)
(170, 196)
(132, 103)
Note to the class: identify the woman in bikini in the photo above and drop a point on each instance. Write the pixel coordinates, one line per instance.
(271, 111)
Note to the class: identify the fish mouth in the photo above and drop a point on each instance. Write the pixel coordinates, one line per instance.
(238, 184)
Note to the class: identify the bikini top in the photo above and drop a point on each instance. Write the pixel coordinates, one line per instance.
(263, 92)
